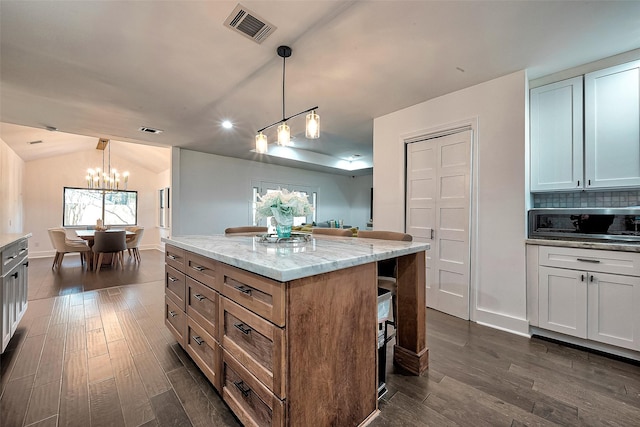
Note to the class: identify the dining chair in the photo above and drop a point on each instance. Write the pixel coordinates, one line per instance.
(63, 246)
(246, 229)
(344, 232)
(133, 241)
(113, 242)
(387, 269)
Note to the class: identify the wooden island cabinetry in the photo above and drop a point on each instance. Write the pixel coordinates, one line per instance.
(287, 352)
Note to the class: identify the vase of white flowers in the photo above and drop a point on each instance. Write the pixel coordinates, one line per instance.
(283, 206)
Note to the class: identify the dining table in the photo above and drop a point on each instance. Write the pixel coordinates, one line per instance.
(89, 237)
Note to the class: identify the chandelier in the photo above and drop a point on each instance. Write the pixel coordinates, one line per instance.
(106, 178)
(284, 132)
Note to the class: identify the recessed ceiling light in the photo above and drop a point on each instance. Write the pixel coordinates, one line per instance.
(227, 124)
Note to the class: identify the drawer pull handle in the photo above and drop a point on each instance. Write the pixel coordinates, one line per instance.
(26, 264)
(12, 257)
(15, 275)
(198, 268)
(198, 340)
(243, 328)
(592, 261)
(171, 257)
(243, 389)
(199, 297)
(172, 279)
(173, 313)
(243, 289)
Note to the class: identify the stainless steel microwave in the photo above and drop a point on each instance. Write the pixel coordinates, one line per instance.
(589, 224)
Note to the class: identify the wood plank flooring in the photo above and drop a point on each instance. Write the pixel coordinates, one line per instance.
(92, 350)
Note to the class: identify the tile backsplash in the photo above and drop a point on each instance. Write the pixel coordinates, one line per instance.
(587, 199)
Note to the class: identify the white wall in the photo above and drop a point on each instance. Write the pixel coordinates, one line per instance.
(11, 190)
(45, 179)
(498, 251)
(211, 193)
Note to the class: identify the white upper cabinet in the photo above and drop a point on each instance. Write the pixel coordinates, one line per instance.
(608, 154)
(556, 136)
(612, 127)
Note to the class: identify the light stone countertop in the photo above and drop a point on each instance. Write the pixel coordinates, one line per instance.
(8, 239)
(289, 261)
(606, 246)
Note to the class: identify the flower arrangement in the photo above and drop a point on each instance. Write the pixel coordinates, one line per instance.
(283, 205)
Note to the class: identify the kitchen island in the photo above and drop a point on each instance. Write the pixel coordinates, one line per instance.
(287, 331)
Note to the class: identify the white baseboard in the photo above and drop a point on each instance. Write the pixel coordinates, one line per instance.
(503, 322)
(51, 253)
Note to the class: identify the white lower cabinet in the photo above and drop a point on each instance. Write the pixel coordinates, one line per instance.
(595, 303)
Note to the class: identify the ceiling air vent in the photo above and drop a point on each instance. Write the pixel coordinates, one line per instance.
(249, 24)
(149, 130)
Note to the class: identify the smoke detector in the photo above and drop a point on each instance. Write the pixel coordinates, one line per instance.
(249, 24)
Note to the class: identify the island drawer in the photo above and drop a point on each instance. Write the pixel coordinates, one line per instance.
(175, 257)
(203, 269)
(202, 306)
(263, 296)
(205, 351)
(257, 344)
(614, 262)
(175, 320)
(174, 285)
(248, 398)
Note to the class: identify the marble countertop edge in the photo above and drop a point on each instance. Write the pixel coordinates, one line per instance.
(606, 246)
(7, 239)
(285, 261)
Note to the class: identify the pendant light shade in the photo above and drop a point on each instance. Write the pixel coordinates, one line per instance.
(284, 132)
(261, 143)
(313, 126)
(284, 135)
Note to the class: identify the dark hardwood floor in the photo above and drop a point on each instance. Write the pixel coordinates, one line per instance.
(92, 350)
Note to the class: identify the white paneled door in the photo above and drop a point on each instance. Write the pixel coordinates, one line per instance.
(438, 212)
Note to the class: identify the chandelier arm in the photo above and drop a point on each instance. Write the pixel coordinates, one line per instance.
(284, 119)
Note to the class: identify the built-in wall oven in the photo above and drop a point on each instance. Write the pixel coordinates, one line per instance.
(589, 224)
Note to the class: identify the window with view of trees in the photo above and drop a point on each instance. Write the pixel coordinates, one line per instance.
(83, 207)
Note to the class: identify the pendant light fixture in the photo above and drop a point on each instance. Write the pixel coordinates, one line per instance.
(284, 131)
(106, 178)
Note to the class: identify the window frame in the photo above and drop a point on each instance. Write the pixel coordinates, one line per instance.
(103, 196)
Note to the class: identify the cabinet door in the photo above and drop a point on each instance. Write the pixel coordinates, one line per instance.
(9, 283)
(614, 309)
(562, 305)
(612, 127)
(556, 136)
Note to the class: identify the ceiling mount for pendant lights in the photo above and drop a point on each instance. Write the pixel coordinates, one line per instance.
(284, 131)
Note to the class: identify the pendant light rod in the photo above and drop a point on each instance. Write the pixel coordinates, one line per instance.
(284, 119)
(284, 53)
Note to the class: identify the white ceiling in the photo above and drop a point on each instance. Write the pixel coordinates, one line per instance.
(106, 68)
